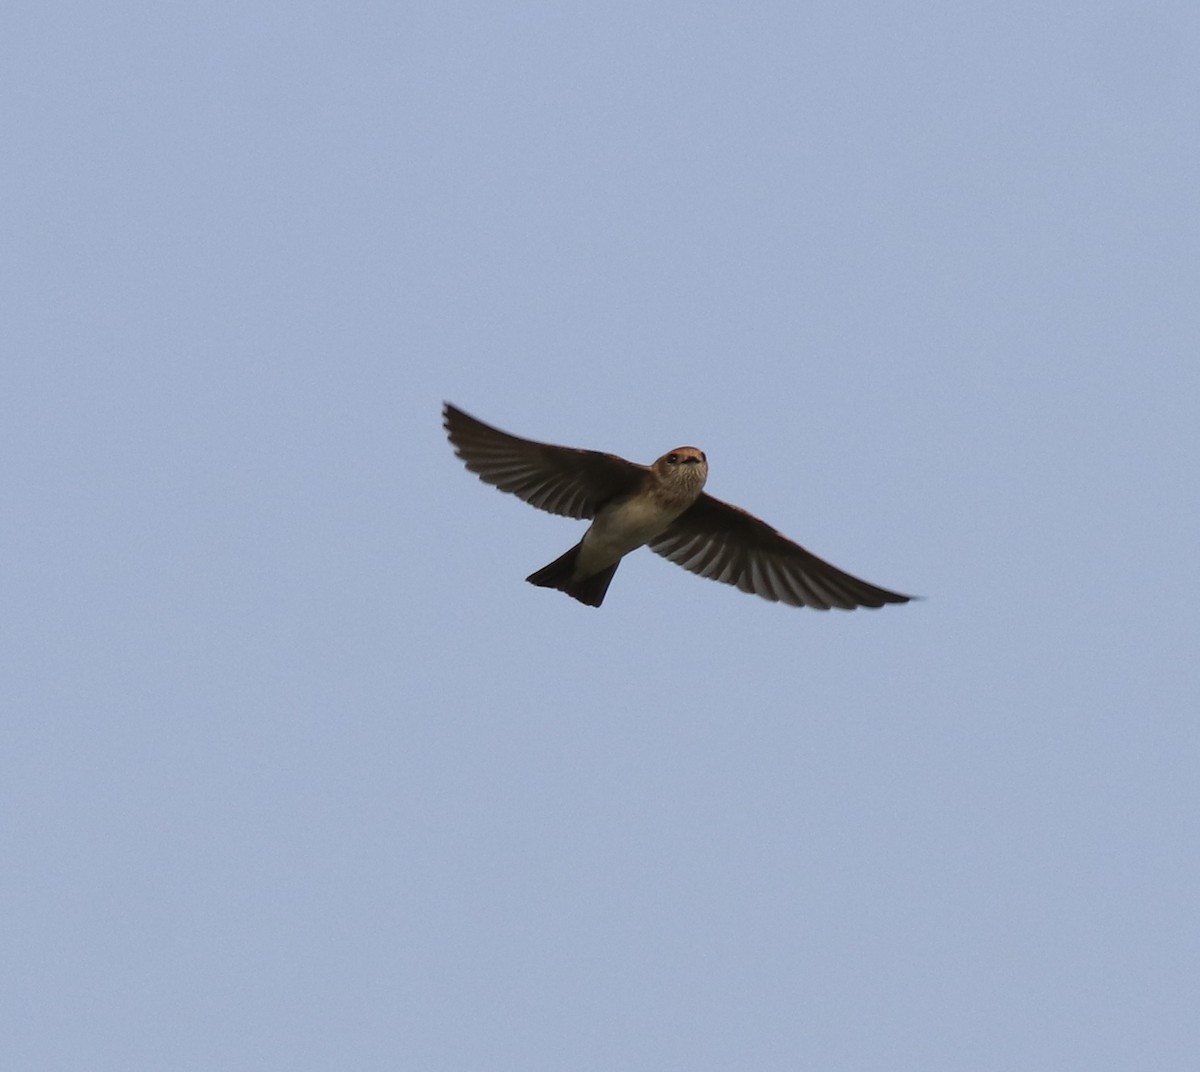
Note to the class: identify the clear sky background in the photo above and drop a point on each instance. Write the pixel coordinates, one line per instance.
(297, 772)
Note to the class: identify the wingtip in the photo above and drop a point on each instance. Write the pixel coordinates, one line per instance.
(893, 599)
(452, 416)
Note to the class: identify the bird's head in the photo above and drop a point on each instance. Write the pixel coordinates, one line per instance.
(683, 467)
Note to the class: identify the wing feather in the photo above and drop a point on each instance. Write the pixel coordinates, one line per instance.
(725, 543)
(559, 480)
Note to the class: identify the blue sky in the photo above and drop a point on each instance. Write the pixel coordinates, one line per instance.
(298, 773)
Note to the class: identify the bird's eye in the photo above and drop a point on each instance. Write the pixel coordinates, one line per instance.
(673, 458)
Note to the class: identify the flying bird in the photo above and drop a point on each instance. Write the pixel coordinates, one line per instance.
(663, 506)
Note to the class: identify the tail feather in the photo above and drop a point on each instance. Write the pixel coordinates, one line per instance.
(560, 574)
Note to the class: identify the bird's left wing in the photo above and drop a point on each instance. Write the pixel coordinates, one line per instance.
(560, 480)
(725, 543)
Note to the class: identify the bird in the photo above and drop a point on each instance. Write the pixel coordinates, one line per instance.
(662, 506)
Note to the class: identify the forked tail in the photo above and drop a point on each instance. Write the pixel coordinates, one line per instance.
(560, 574)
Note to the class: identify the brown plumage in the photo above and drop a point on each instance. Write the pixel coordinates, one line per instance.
(662, 506)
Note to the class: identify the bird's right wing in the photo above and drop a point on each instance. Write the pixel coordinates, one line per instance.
(560, 480)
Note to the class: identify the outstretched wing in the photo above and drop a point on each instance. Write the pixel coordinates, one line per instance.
(724, 543)
(560, 480)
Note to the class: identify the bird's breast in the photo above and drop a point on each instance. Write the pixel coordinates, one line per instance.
(623, 526)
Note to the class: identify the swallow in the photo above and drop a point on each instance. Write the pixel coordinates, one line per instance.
(662, 506)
